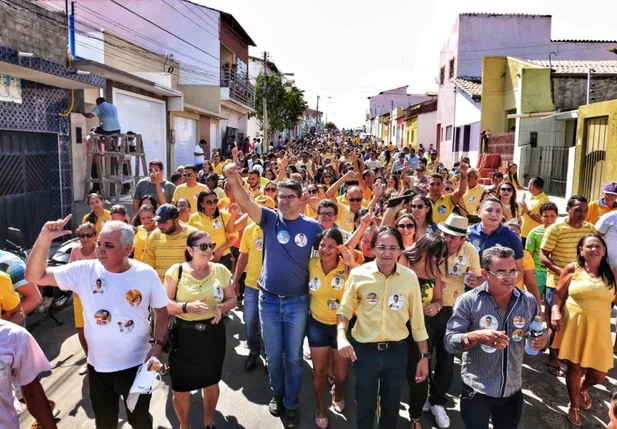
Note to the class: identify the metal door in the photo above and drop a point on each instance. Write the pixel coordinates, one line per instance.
(25, 181)
(594, 153)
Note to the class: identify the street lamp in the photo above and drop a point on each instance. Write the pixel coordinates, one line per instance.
(317, 113)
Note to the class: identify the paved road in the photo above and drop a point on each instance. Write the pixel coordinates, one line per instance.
(244, 396)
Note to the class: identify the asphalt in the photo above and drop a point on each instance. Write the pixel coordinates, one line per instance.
(244, 396)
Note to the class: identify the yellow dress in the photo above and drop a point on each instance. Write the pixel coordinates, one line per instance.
(585, 338)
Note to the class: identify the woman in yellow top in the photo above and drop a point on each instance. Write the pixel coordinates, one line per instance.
(86, 250)
(512, 177)
(184, 209)
(200, 292)
(327, 276)
(98, 215)
(147, 225)
(584, 328)
(424, 258)
(209, 218)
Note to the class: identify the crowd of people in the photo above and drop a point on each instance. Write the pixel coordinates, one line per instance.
(386, 261)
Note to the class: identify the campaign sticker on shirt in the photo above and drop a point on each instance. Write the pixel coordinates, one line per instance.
(216, 224)
(218, 294)
(283, 236)
(472, 199)
(300, 240)
(259, 243)
(133, 297)
(518, 335)
(395, 302)
(518, 321)
(477, 245)
(102, 317)
(336, 283)
(126, 325)
(99, 287)
(333, 304)
(488, 322)
(315, 284)
(349, 221)
(441, 209)
(371, 298)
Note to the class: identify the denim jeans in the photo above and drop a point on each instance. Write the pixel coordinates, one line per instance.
(380, 371)
(443, 365)
(251, 320)
(476, 409)
(283, 325)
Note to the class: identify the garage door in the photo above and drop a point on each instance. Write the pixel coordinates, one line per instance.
(186, 139)
(146, 116)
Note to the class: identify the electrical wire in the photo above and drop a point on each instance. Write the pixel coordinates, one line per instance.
(209, 32)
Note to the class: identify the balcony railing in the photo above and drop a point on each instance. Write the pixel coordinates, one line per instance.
(239, 88)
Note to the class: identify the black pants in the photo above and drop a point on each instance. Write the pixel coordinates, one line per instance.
(105, 390)
(418, 392)
(442, 361)
(476, 409)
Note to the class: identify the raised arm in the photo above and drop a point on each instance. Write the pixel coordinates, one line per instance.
(37, 271)
(331, 192)
(462, 187)
(240, 195)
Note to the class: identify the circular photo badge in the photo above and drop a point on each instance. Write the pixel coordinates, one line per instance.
(102, 317)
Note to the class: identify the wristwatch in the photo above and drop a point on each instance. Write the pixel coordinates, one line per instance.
(155, 342)
(425, 355)
(466, 342)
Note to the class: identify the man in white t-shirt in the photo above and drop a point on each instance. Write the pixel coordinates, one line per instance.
(607, 229)
(113, 289)
(198, 153)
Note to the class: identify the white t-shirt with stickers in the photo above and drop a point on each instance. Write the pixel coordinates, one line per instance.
(116, 311)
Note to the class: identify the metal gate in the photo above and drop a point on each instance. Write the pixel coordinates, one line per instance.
(594, 153)
(548, 162)
(25, 181)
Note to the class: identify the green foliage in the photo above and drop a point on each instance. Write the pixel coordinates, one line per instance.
(330, 125)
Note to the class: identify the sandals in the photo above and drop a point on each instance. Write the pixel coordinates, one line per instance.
(574, 417)
(415, 424)
(321, 422)
(84, 369)
(339, 406)
(35, 424)
(585, 400)
(554, 370)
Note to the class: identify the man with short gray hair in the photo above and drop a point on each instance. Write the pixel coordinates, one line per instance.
(116, 293)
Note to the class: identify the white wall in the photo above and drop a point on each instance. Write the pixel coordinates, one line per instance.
(467, 110)
(427, 127)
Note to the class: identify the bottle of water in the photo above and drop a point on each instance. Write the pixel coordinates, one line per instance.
(536, 330)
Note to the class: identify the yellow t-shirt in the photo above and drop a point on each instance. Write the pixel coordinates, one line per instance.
(163, 250)
(326, 291)
(383, 306)
(218, 169)
(442, 208)
(533, 205)
(595, 210)
(528, 265)
(560, 239)
(365, 202)
(345, 217)
(472, 197)
(253, 244)
(467, 259)
(139, 244)
(209, 290)
(183, 191)
(215, 227)
(9, 299)
(310, 212)
(100, 221)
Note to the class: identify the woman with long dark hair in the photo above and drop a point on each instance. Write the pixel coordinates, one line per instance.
(145, 214)
(148, 200)
(506, 192)
(406, 225)
(422, 212)
(512, 176)
(583, 325)
(98, 214)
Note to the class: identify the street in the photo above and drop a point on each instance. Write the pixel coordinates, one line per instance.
(244, 396)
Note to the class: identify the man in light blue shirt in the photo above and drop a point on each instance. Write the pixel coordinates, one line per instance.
(412, 159)
(108, 114)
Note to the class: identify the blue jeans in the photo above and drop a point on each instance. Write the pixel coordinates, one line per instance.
(251, 320)
(283, 325)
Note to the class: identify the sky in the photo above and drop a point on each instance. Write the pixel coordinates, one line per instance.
(345, 51)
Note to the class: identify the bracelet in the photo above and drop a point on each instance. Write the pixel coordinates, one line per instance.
(341, 329)
(184, 307)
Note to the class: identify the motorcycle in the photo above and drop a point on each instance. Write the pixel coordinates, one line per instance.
(54, 299)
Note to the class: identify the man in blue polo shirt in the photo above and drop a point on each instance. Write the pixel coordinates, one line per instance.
(108, 115)
(491, 232)
(284, 296)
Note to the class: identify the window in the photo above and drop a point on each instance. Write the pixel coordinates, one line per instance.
(451, 68)
(449, 132)
(442, 75)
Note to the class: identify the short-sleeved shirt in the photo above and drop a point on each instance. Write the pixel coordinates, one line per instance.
(210, 290)
(100, 221)
(528, 265)
(607, 225)
(14, 267)
(139, 243)
(465, 260)
(198, 159)
(108, 114)
(532, 245)
(560, 240)
(595, 209)
(21, 361)
(9, 299)
(442, 208)
(326, 291)
(218, 168)
(183, 191)
(164, 250)
(472, 198)
(146, 187)
(116, 310)
(215, 227)
(501, 236)
(287, 250)
(345, 217)
(533, 205)
(253, 244)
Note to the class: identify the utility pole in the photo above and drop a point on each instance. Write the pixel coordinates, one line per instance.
(264, 143)
(317, 115)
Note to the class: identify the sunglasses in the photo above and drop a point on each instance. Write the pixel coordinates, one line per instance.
(211, 202)
(205, 246)
(406, 226)
(506, 189)
(354, 200)
(417, 206)
(267, 189)
(84, 235)
(313, 191)
(326, 214)
(449, 189)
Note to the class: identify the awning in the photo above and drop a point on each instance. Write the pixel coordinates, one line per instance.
(205, 112)
(42, 77)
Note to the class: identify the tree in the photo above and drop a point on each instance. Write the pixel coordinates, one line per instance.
(330, 126)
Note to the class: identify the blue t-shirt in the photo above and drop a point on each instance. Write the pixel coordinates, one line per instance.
(502, 236)
(287, 250)
(108, 114)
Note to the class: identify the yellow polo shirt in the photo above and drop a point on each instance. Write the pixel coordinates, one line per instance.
(533, 204)
(310, 212)
(9, 299)
(163, 250)
(253, 244)
(472, 198)
(466, 259)
(326, 291)
(528, 265)
(100, 221)
(183, 191)
(383, 306)
(345, 217)
(596, 209)
(365, 201)
(215, 227)
(218, 169)
(139, 243)
(442, 208)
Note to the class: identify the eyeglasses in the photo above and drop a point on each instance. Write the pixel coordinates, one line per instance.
(406, 226)
(313, 191)
(326, 214)
(354, 200)
(211, 202)
(268, 189)
(182, 206)
(506, 189)
(503, 274)
(187, 175)
(205, 246)
(84, 235)
(387, 248)
(287, 197)
(418, 206)
(449, 189)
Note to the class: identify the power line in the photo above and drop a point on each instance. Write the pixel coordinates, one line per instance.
(201, 9)
(209, 32)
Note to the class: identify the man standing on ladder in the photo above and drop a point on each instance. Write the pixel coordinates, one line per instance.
(108, 115)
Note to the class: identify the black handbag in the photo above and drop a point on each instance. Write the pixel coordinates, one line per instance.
(169, 338)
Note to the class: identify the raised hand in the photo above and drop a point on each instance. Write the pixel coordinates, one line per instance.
(55, 228)
(346, 255)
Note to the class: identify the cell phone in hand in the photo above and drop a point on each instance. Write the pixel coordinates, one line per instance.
(393, 202)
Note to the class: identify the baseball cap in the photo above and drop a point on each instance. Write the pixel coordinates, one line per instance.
(610, 188)
(166, 212)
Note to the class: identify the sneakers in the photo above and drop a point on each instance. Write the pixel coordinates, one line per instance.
(441, 417)
(426, 406)
(275, 407)
(290, 419)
